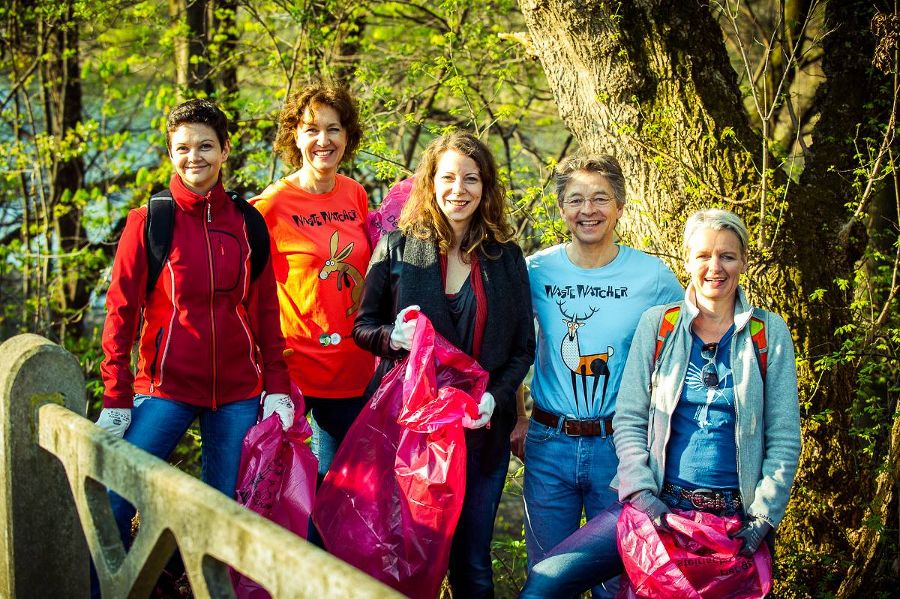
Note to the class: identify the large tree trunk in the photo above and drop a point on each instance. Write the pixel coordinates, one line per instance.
(650, 81)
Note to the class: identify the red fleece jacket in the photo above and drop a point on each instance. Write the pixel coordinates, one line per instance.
(210, 335)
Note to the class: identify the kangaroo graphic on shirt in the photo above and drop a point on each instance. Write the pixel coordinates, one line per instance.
(347, 274)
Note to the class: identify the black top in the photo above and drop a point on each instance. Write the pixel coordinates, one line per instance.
(462, 313)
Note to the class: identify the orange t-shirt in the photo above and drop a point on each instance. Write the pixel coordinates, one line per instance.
(320, 253)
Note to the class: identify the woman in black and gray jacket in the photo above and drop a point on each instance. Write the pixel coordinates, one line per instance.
(453, 259)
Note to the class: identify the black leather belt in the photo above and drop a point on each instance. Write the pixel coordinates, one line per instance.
(573, 427)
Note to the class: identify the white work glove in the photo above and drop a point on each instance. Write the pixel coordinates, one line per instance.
(485, 411)
(115, 421)
(402, 335)
(281, 404)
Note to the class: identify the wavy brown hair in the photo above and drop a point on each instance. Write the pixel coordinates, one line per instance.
(423, 218)
(329, 94)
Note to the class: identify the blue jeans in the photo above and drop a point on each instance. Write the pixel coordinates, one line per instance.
(590, 555)
(471, 574)
(565, 476)
(331, 419)
(157, 425)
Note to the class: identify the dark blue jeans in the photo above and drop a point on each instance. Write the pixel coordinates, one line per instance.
(471, 574)
(590, 554)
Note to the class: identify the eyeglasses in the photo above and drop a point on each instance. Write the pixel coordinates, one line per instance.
(596, 202)
(709, 373)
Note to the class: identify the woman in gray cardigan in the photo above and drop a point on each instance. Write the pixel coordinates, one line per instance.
(707, 418)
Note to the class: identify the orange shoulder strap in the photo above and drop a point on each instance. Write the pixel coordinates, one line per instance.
(758, 336)
(666, 326)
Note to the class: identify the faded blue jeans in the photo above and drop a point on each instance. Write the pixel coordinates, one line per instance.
(590, 555)
(564, 476)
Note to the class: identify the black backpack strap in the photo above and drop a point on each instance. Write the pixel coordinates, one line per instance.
(257, 235)
(158, 234)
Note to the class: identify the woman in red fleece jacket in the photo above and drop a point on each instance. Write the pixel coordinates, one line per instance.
(211, 340)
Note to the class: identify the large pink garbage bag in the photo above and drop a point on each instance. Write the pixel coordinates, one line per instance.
(391, 501)
(384, 220)
(695, 558)
(277, 480)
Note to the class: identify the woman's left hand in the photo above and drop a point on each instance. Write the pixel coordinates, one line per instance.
(752, 534)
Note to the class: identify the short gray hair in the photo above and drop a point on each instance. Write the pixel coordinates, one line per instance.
(717, 220)
(605, 165)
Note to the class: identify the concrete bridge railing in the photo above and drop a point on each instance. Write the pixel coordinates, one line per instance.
(56, 466)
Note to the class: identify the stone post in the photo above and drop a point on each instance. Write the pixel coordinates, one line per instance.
(43, 552)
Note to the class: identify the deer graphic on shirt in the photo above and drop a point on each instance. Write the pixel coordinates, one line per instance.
(346, 273)
(583, 365)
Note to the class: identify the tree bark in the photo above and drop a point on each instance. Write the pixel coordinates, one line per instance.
(63, 107)
(192, 18)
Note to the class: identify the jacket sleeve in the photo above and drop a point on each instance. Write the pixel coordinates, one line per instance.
(377, 312)
(781, 432)
(505, 380)
(124, 300)
(634, 409)
(265, 322)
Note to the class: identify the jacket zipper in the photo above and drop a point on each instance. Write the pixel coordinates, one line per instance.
(157, 343)
(212, 294)
(737, 428)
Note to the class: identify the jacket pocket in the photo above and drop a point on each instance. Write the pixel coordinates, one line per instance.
(650, 426)
(227, 260)
(155, 365)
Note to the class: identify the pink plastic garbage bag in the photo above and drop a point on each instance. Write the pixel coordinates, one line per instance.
(384, 219)
(391, 501)
(277, 480)
(694, 559)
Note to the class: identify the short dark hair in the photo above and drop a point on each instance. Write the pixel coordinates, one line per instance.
(201, 111)
(605, 165)
(334, 95)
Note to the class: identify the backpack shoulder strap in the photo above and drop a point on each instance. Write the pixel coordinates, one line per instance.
(758, 336)
(257, 235)
(158, 234)
(666, 326)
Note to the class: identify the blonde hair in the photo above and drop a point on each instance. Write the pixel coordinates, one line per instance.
(717, 220)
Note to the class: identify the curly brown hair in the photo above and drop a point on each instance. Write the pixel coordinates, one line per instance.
(330, 94)
(422, 216)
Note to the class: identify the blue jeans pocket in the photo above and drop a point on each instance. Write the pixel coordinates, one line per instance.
(539, 433)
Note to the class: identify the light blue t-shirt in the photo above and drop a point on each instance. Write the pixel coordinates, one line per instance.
(586, 320)
(701, 452)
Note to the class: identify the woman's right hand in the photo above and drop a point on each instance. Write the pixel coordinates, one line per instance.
(115, 421)
(401, 336)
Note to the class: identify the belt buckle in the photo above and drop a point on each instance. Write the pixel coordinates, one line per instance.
(706, 500)
(575, 425)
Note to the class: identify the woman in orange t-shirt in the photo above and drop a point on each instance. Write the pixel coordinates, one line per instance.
(320, 251)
